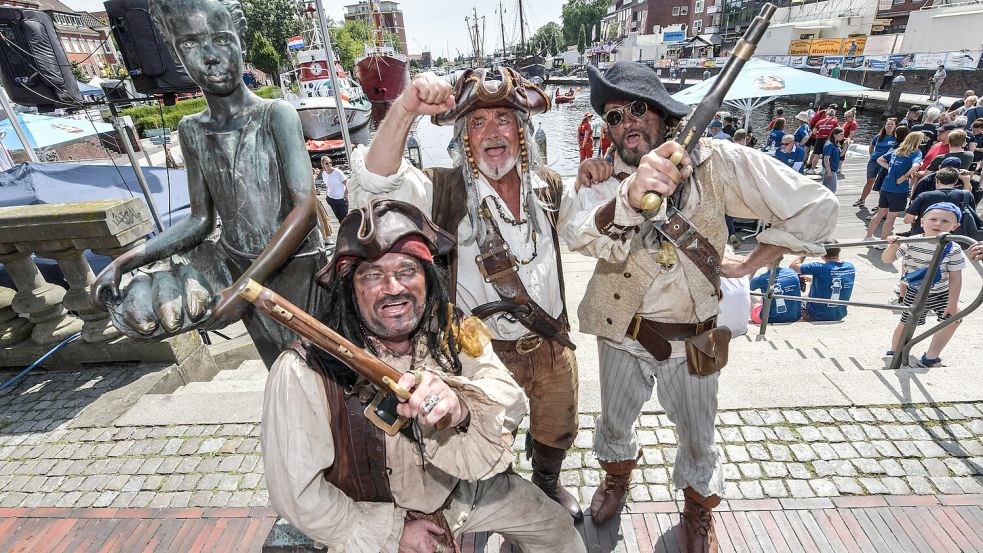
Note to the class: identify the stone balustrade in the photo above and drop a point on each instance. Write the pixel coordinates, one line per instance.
(39, 314)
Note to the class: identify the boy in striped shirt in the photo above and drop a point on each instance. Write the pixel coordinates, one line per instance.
(943, 297)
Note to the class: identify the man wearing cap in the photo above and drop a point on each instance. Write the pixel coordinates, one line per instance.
(585, 137)
(504, 206)
(911, 118)
(717, 131)
(653, 305)
(342, 480)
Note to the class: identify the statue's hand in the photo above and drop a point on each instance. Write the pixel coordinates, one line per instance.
(228, 309)
(427, 94)
(105, 289)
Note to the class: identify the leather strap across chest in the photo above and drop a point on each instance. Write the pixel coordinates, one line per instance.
(683, 234)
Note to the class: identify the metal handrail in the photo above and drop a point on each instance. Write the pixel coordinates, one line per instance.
(908, 338)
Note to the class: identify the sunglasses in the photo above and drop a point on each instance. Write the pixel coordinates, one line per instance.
(615, 116)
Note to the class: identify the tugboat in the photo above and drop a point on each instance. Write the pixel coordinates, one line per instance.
(317, 102)
(383, 71)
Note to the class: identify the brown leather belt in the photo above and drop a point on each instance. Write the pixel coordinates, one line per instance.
(655, 336)
(524, 345)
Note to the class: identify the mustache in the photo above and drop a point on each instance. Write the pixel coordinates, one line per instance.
(494, 143)
(405, 296)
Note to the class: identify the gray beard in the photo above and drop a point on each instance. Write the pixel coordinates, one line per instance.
(634, 157)
(489, 172)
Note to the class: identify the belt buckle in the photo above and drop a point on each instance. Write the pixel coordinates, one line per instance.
(636, 326)
(528, 344)
(685, 235)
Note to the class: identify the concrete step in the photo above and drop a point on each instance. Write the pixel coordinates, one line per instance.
(253, 369)
(221, 386)
(213, 408)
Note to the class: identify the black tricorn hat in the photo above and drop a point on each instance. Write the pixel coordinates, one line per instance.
(629, 80)
(370, 232)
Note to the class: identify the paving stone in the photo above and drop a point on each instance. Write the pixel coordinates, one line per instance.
(921, 485)
(785, 434)
(584, 440)
(211, 445)
(824, 487)
(795, 417)
(649, 421)
(771, 417)
(896, 486)
(798, 471)
(840, 415)
(819, 415)
(666, 436)
(150, 465)
(958, 467)
(758, 452)
(824, 450)
(930, 413)
(868, 466)
(652, 456)
(750, 470)
(951, 412)
(832, 434)
(752, 418)
(913, 467)
(893, 468)
(968, 484)
(737, 453)
(802, 452)
(731, 472)
(861, 414)
(639, 493)
(730, 418)
(656, 475)
(853, 432)
(731, 435)
(866, 450)
(847, 486)
(774, 488)
(946, 485)
(908, 449)
(800, 489)
(646, 437)
(916, 432)
(882, 414)
(874, 486)
(886, 448)
(753, 434)
(661, 493)
(774, 470)
(844, 450)
(751, 489)
(895, 432)
(822, 468)
(780, 452)
(810, 433)
(968, 410)
(936, 467)
(229, 482)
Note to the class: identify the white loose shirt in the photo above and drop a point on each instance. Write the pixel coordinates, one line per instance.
(411, 185)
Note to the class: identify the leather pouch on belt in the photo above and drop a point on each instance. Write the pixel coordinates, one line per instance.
(706, 352)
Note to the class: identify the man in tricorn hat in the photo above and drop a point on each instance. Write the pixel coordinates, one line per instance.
(347, 484)
(653, 304)
(504, 208)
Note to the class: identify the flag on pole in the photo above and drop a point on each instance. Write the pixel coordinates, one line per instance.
(295, 42)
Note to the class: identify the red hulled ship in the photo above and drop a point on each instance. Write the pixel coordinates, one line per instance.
(383, 72)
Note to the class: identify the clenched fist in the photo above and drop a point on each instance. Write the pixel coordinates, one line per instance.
(657, 174)
(427, 94)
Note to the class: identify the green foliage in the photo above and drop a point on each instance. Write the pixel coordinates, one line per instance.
(77, 72)
(548, 39)
(265, 57)
(579, 17)
(149, 117)
(275, 19)
(350, 39)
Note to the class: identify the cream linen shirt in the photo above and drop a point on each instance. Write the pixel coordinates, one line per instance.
(411, 185)
(297, 446)
(799, 214)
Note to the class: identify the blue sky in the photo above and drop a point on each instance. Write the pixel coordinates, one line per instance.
(439, 24)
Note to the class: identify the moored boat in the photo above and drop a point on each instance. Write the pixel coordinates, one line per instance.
(382, 71)
(317, 105)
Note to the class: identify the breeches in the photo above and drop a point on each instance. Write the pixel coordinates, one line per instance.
(548, 375)
(511, 506)
(690, 401)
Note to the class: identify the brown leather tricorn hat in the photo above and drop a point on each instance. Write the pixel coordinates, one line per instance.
(476, 89)
(370, 232)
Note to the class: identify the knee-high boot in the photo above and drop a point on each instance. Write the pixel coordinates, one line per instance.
(546, 463)
(611, 494)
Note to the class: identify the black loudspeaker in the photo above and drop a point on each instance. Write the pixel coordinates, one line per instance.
(145, 54)
(33, 64)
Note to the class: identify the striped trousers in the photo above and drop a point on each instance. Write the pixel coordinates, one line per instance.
(690, 402)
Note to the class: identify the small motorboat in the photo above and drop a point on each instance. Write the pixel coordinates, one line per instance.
(564, 98)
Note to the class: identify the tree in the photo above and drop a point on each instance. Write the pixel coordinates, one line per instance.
(77, 72)
(275, 19)
(548, 38)
(578, 15)
(265, 57)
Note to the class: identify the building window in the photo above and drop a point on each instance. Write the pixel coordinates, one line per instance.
(67, 45)
(697, 26)
(699, 7)
(675, 11)
(683, 10)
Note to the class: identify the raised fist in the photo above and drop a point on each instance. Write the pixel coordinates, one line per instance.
(427, 94)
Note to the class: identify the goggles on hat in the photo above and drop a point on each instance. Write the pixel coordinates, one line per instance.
(615, 116)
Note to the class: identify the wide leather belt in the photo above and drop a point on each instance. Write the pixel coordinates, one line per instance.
(655, 336)
(525, 345)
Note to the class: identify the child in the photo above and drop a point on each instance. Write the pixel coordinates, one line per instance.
(831, 279)
(248, 167)
(831, 159)
(943, 297)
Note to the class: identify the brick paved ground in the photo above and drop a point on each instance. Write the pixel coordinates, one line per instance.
(789, 453)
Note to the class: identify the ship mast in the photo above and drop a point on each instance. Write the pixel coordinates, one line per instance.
(522, 29)
(375, 21)
(501, 22)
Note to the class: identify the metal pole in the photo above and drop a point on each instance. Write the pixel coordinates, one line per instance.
(124, 138)
(905, 342)
(766, 309)
(15, 123)
(338, 100)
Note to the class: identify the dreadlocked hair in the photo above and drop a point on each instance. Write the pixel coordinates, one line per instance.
(341, 303)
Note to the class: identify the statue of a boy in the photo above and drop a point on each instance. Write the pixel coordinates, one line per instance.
(248, 166)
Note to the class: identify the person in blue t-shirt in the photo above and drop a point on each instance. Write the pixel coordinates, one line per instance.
(879, 145)
(776, 133)
(782, 310)
(791, 154)
(901, 164)
(831, 279)
(831, 159)
(802, 133)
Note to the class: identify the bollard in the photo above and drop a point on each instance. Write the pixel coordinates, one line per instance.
(893, 97)
(682, 78)
(706, 74)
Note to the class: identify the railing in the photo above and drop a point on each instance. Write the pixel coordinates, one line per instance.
(908, 338)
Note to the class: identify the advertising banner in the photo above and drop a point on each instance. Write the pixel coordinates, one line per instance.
(708, 62)
(797, 61)
(876, 63)
(833, 60)
(674, 36)
(929, 61)
(663, 63)
(721, 61)
(688, 62)
(854, 46)
(799, 47)
(814, 61)
(963, 59)
(853, 62)
(782, 60)
(826, 46)
(903, 61)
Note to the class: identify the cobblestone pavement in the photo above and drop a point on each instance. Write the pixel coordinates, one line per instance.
(787, 453)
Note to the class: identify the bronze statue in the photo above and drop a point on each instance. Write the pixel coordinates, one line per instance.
(248, 168)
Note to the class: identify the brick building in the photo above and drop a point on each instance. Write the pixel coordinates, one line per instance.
(645, 17)
(392, 18)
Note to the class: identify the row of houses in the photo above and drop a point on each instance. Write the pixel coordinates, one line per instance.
(660, 29)
(84, 35)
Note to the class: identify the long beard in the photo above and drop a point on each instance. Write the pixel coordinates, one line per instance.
(633, 156)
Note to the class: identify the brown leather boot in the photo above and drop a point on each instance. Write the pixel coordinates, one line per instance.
(613, 491)
(698, 534)
(546, 463)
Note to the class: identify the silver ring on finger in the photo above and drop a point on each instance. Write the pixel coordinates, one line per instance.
(440, 548)
(429, 403)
